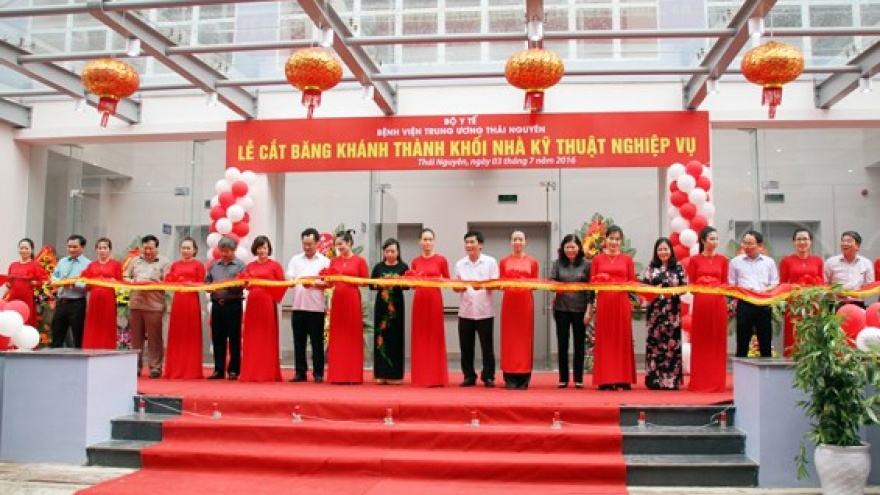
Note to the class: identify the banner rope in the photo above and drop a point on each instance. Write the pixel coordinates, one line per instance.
(777, 294)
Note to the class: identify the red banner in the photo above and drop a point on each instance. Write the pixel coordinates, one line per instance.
(518, 141)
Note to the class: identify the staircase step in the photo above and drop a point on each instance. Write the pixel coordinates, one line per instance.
(690, 470)
(137, 426)
(402, 435)
(682, 440)
(117, 453)
(677, 415)
(158, 404)
(391, 463)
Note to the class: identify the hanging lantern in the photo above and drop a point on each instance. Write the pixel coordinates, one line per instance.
(111, 80)
(772, 65)
(534, 70)
(312, 70)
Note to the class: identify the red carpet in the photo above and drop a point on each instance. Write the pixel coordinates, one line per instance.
(342, 446)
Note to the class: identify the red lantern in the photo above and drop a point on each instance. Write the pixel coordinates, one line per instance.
(772, 65)
(111, 80)
(534, 70)
(312, 70)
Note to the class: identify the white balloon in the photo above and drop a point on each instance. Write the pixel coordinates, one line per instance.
(707, 171)
(224, 226)
(232, 174)
(10, 323)
(215, 201)
(686, 357)
(868, 339)
(213, 239)
(688, 237)
(679, 224)
(27, 338)
(235, 213)
(673, 212)
(695, 249)
(697, 197)
(707, 210)
(687, 298)
(686, 183)
(222, 186)
(242, 253)
(246, 202)
(676, 170)
(249, 177)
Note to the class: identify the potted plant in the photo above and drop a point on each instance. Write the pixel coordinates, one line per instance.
(839, 383)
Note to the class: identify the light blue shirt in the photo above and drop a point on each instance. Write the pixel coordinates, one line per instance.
(756, 274)
(68, 267)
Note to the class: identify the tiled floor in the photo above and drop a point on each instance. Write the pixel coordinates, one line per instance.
(56, 479)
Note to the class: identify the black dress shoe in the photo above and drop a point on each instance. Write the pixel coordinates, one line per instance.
(490, 383)
(298, 378)
(510, 386)
(216, 376)
(155, 374)
(233, 376)
(606, 387)
(319, 379)
(468, 382)
(623, 386)
(562, 385)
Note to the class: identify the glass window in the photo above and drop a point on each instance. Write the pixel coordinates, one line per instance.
(174, 15)
(831, 16)
(451, 4)
(88, 40)
(594, 20)
(467, 22)
(208, 12)
(373, 5)
(635, 18)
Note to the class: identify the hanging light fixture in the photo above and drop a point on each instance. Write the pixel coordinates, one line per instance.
(134, 47)
(534, 70)
(772, 65)
(111, 80)
(312, 70)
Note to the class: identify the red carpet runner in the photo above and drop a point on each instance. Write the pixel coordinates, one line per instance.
(342, 446)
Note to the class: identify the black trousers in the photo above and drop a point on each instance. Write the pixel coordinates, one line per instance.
(575, 321)
(226, 329)
(753, 319)
(468, 330)
(308, 326)
(69, 313)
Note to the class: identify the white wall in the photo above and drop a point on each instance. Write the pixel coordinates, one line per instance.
(14, 168)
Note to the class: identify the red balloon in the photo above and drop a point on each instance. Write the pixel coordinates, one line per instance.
(239, 188)
(853, 320)
(226, 199)
(19, 307)
(217, 213)
(673, 187)
(246, 218)
(687, 323)
(681, 251)
(704, 183)
(678, 198)
(694, 168)
(212, 228)
(872, 315)
(698, 223)
(675, 238)
(687, 210)
(241, 228)
(685, 309)
(235, 237)
(215, 253)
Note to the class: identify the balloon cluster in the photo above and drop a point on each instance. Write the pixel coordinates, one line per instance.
(862, 326)
(13, 314)
(230, 212)
(691, 209)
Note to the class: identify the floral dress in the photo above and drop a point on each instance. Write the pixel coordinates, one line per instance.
(663, 368)
(388, 320)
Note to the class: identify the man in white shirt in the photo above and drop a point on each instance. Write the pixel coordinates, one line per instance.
(476, 314)
(756, 272)
(307, 318)
(849, 269)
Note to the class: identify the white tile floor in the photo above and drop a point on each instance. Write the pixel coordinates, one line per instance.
(58, 479)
